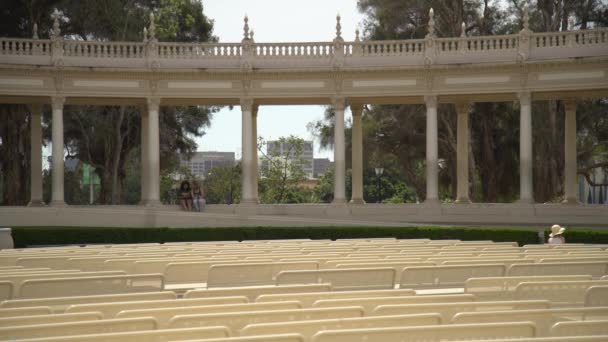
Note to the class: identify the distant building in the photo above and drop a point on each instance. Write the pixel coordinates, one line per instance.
(320, 165)
(275, 148)
(201, 163)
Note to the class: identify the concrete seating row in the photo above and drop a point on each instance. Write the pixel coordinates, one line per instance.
(80, 284)
(60, 304)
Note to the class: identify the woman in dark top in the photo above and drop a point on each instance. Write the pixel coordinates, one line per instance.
(185, 196)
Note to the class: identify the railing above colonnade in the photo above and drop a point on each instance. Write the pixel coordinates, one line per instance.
(524, 46)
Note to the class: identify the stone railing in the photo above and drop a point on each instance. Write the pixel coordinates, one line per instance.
(204, 50)
(515, 48)
(274, 50)
(95, 49)
(25, 47)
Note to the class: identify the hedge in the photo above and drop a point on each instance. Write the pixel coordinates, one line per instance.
(583, 236)
(35, 236)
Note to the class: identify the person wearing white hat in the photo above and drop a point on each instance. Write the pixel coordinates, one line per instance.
(556, 236)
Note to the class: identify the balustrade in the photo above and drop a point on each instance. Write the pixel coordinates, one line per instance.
(570, 38)
(25, 47)
(251, 50)
(392, 47)
(197, 50)
(78, 48)
(269, 50)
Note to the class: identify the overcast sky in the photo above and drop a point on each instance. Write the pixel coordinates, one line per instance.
(275, 21)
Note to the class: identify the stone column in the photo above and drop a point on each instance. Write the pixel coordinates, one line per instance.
(431, 150)
(145, 162)
(462, 153)
(357, 149)
(525, 148)
(339, 152)
(570, 154)
(57, 103)
(152, 160)
(36, 157)
(248, 195)
(254, 150)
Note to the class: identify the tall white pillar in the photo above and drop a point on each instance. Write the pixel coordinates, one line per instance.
(525, 148)
(570, 154)
(254, 151)
(432, 166)
(152, 162)
(462, 153)
(145, 181)
(248, 195)
(357, 159)
(57, 103)
(339, 152)
(36, 157)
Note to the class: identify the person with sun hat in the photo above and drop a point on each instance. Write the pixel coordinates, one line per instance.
(556, 236)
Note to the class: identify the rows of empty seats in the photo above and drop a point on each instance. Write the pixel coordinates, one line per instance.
(306, 290)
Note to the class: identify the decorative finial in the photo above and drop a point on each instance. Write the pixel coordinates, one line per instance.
(145, 35)
(571, 23)
(338, 27)
(251, 34)
(35, 35)
(246, 28)
(526, 16)
(431, 23)
(463, 30)
(152, 29)
(56, 29)
(357, 39)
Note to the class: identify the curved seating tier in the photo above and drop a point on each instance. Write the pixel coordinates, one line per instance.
(306, 291)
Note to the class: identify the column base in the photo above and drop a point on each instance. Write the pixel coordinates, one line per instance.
(151, 203)
(58, 203)
(249, 202)
(357, 201)
(463, 200)
(36, 203)
(571, 201)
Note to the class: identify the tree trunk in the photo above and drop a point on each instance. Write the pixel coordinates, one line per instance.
(116, 160)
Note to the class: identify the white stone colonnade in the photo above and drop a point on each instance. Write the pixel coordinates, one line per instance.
(568, 66)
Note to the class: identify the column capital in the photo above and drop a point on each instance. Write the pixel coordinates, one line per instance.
(356, 109)
(254, 110)
(57, 102)
(524, 96)
(338, 102)
(430, 100)
(462, 107)
(246, 103)
(153, 103)
(569, 105)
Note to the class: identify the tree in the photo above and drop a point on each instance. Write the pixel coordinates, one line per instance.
(494, 143)
(282, 170)
(223, 185)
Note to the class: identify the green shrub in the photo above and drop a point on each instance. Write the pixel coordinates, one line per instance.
(583, 236)
(32, 236)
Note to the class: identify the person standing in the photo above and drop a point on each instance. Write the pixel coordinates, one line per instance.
(556, 237)
(198, 196)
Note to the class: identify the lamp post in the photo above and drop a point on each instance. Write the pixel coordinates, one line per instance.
(379, 171)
